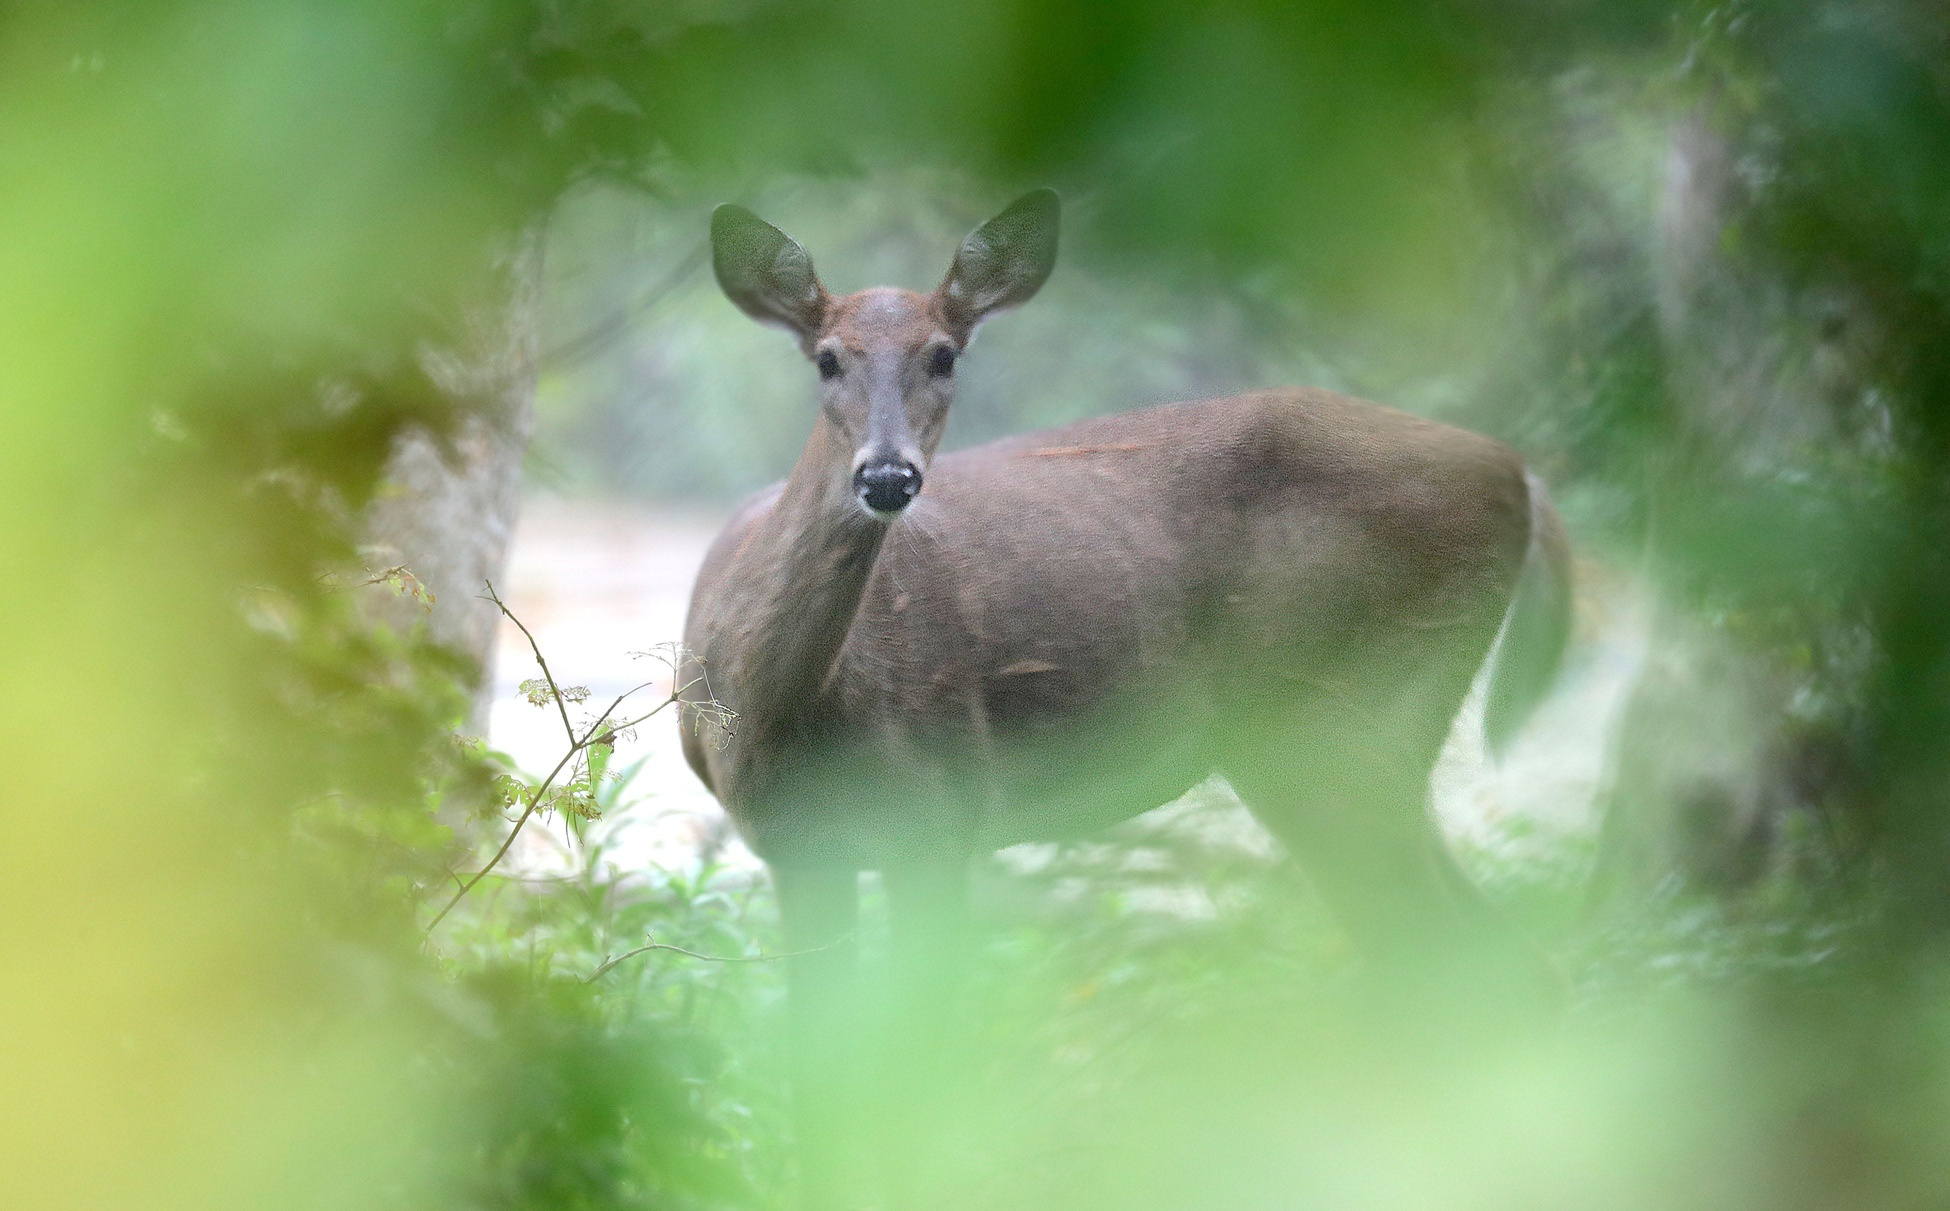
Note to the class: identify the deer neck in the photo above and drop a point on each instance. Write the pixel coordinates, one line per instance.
(792, 591)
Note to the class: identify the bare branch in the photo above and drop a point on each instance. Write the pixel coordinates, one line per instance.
(651, 713)
(555, 691)
(617, 727)
(604, 331)
(492, 863)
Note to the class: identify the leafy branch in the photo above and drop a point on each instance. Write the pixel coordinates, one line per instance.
(588, 748)
(401, 580)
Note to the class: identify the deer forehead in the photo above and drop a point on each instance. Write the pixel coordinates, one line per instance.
(883, 317)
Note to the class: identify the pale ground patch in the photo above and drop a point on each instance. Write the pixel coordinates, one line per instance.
(598, 581)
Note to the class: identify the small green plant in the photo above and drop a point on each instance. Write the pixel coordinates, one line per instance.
(611, 957)
(572, 789)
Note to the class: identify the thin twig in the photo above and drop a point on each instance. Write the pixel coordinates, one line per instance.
(598, 732)
(534, 802)
(576, 745)
(580, 346)
(492, 862)
(609, 964)
(619, 700)
(535, 798)
(651, 713)
(554, 690)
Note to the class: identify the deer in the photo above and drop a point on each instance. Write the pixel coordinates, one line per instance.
(923, 659)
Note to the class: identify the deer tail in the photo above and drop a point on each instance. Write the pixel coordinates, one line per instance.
(1536, 628)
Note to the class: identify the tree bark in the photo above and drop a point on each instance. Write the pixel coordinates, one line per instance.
(1713, 756)
(448, 506)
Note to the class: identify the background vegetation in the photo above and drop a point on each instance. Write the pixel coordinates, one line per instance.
(1694, 260)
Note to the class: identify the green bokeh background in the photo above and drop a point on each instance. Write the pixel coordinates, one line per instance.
(227, 230)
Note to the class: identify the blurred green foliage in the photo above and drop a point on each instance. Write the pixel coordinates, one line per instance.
(1694, 259)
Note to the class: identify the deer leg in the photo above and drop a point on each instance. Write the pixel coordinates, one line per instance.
(819, 908)
(928, 906)
(1356, 816)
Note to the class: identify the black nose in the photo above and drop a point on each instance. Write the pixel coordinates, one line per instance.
(887, 487)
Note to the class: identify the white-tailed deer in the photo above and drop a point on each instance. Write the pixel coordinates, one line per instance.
(930, 658)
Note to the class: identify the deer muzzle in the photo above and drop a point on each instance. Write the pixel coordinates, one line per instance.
(887, 487)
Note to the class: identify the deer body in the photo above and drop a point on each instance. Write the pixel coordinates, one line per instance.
(1071, 627)
(931, 658)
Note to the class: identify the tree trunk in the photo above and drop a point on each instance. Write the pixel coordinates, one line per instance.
(447, 509)
(1714, 755)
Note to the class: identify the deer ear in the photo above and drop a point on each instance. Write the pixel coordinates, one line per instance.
(1002, 263)
(766, 272)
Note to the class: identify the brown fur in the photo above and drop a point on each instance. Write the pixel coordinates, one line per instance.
(1179, 581)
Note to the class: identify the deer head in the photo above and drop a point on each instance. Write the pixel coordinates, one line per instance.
(885, 356)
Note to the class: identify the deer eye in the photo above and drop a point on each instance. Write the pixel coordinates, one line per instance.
(942, 363)
(829, 364)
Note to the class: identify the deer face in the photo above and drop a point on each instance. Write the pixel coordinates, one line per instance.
(886, 357)
(886, 363)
